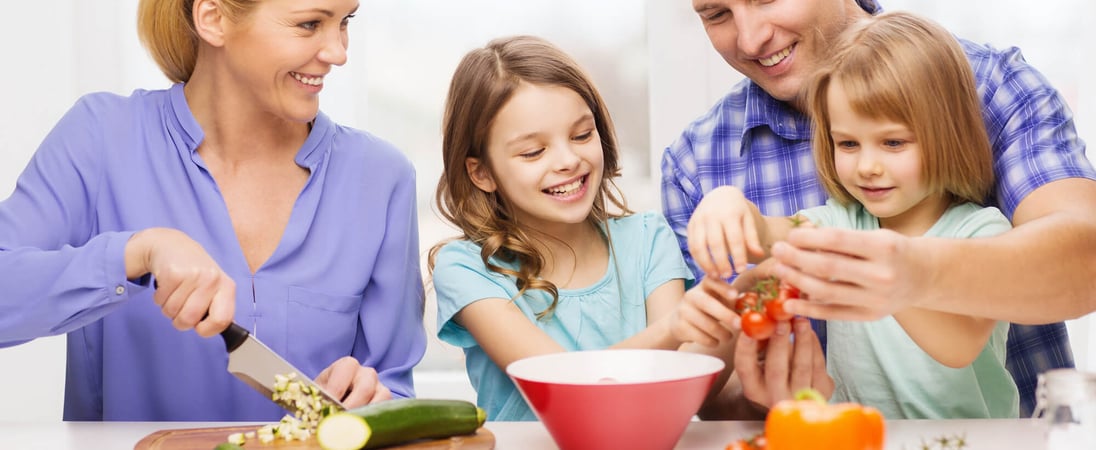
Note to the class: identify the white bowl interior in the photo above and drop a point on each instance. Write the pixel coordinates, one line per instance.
(624, 366)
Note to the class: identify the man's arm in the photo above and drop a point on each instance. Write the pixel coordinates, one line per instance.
(1042, 271)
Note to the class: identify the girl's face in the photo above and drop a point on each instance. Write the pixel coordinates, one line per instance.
(879, 162)
(545, 155)
(279, 54)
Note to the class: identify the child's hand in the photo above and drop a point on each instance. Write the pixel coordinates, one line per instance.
(704, 316)
(724, 224)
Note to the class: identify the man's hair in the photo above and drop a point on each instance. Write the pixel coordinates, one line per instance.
(904, 68)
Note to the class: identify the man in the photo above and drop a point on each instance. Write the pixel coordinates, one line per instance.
(756, 138)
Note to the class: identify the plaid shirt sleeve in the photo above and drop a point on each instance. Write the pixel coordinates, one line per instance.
(1034, 142)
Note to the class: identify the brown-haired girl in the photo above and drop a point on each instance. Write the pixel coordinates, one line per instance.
(550, 258)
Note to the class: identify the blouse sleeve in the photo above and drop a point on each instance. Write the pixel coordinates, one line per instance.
(56, 273)
(392, 307)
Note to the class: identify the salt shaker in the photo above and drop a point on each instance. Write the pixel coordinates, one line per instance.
(1066, 400)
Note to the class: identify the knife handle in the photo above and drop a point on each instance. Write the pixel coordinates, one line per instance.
(234, 335)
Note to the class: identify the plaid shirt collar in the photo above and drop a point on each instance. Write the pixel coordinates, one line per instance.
(762, 110)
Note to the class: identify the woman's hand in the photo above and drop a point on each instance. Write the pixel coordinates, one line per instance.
(191, 288)
(355, 384)
(724, 224)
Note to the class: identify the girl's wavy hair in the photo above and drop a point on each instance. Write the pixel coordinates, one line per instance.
(902, 67)
(483, 83)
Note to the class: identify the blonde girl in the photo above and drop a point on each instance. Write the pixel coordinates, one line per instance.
(900, 147)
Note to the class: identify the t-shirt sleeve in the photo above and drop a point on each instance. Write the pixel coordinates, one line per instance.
(984, 222)
(460, 279)
(834, 215)
(665, 261)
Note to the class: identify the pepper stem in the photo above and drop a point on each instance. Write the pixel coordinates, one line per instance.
(809, 394)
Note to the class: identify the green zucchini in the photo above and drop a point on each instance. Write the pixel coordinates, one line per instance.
(397, 421)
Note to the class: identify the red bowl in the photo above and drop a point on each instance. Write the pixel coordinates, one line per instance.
(615, 399)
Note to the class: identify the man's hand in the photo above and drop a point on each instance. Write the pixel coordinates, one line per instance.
(852, 275)
(775, 369)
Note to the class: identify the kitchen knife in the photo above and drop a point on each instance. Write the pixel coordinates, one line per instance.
(257, 365)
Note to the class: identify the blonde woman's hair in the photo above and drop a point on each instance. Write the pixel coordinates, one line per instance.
(483, 82)
(166, 29)
(905, 68)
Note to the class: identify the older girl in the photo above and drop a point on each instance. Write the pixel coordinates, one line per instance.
(550, 259)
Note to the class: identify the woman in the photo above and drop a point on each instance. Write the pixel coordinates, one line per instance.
(241, 200)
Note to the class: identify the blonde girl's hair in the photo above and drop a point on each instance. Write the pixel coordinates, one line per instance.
(483, 82)
(166, 29)
(905, 68)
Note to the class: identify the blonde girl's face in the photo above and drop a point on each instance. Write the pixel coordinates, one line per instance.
(878, 161)
(281, 51)
(546, 158)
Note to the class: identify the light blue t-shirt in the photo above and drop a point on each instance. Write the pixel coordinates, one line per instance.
(644, 257)
(878, 364)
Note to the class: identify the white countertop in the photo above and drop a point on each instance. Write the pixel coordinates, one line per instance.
(996, 434)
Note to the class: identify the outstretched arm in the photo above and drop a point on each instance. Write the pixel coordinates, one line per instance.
(1039, 272)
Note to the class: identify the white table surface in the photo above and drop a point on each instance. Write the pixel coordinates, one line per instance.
(995, 434)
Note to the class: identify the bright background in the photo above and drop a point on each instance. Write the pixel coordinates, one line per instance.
(650, 59)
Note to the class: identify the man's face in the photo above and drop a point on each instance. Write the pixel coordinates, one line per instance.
(776, 43)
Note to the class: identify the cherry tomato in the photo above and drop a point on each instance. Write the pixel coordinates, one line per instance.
(755, 443)
(787, 291)
(740, 444)
(745, 301)
(757, 325)
(775, 310)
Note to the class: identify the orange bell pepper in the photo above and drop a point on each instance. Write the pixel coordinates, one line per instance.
(808, 422)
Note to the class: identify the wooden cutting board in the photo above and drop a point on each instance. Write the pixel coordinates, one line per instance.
(208, 438)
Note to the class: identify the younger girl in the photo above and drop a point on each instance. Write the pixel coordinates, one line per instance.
(543, 264)
(900, 145)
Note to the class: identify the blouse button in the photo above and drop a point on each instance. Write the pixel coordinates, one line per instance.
(120, 290)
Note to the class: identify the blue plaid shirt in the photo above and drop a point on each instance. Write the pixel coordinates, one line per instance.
(762, 146)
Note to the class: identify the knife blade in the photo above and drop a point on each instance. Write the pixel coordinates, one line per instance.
(257, 365)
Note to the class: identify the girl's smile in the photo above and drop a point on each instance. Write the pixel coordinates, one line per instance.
(568, 191)
(544, 157)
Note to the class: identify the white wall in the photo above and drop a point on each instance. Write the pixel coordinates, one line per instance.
(56, 50)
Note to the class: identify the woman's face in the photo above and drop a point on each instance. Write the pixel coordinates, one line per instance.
(279, 53)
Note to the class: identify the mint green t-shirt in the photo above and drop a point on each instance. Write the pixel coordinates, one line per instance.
(645, 256)
(878, 364)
